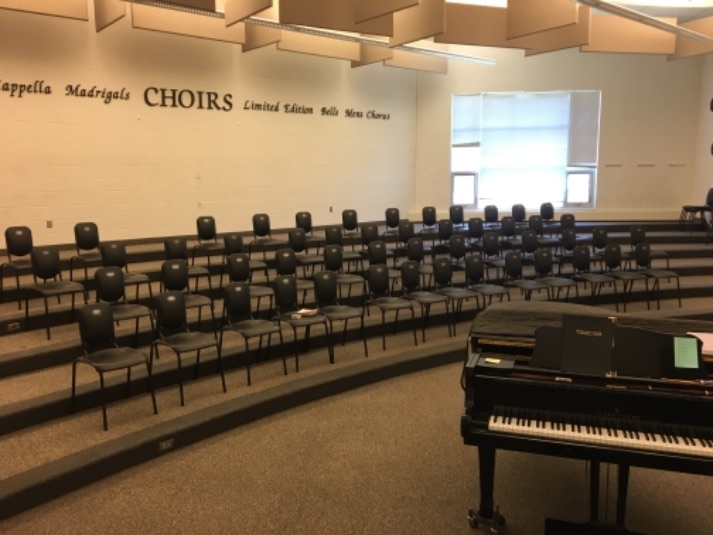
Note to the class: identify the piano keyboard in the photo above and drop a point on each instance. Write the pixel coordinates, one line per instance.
(652, 436)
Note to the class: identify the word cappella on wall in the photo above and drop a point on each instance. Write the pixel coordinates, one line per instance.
(171, 98)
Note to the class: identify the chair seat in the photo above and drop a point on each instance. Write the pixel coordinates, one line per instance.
(114, 358)
(458, 293)
(559, 282)
(659, 273)
(198, 271)
(426, 298)
(309, 259)
(254, 327)
(391, 303)
(136, 278)
(340, 312)
(349, 278)
(594, 278)
(489, 289)
(301, 321)
(182, 342)
(258, 290)
(627, 275)
(198, 300)
(52, 288)
(304, 285)
(126, 311)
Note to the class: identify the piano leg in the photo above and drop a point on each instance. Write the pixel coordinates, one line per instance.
(622, 488)
(594, 491)
(487, 515)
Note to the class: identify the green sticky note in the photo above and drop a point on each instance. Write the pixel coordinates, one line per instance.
(685, 352)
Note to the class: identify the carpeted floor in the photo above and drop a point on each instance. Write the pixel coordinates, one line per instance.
(383, 459)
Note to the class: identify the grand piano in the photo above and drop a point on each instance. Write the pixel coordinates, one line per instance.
(555, 379)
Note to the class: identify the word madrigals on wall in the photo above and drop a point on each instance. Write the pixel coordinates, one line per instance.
(104, 94)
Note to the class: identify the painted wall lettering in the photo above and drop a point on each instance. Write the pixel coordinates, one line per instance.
(104, 94)
(298, 108)
(18, 90)
(186, 98)
(261, 106)
(332, 111)
(354, 114)
(371, 114)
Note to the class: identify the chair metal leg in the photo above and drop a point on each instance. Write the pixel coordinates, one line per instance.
(101, 387)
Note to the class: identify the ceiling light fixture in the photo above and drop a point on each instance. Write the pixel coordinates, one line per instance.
(642, 18)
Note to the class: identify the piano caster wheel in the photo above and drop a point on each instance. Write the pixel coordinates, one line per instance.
(496, 524)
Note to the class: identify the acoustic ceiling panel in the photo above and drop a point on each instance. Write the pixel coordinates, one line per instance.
(203, 5)
(371, 9)
(319, 46)
(525, 17)
(178, 22)
(238, 10)
(475, 25)
(419, 22)
(560, 38)
(610, 33)
(107, 12)
(372, 54)
(418, 62)
(259, 36)
(71, 9)
(334, 15)
(691, 47)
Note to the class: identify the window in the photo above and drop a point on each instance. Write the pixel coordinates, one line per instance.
(528, 148)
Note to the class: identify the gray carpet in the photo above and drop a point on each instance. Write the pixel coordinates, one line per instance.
(386, 458)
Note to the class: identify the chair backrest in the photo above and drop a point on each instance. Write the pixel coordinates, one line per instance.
(406, 231)
(638, 235)
(333, 254)
(393, 217)
(285, 288)
(600, 238)
(174, 275)
(428, 216)
(377, 252)
(536, 223)
(519, 213)
(303, 220)
(513, 265)
(261, 226)
(18, 241)
(507, 226)
(547, 211)
(475, 228)
(236, 301)
(171, 312)
(490, 213)
(45, 263)
(567, 221)
(86, 236)
(474, 269)
(297, 240)
(491, 244)
(530, 242)
(325, 288)
(568, 240)
(350, 222)
(285, 262)
(238, 267)
(378, 280)
(176, 248)
(369, 233)
(113, 253)
(442, 272)
(543, 262)
(410, 276)
(109, 284)
(445, 229)
(233, 243)
(612, 256)
(414, 249)
(457, 247)
(207, 231)
(456, 214)
(642, 254)
(333, 235)
(96, 326)
(581, 259)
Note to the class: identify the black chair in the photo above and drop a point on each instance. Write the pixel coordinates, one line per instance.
(262, 236)
(303, 220)
(101, 352)
(514, 277)
(529, 244)
(290, 313)
(46, 268)
(370, 233)
(509, 233)
(333, 256)
(567, 243)
(491, 252)
(567, 221)
(297, 241)
(415, 251)
(238, 269)
(476, 229)
(86, 240)
(537, 224)
(110, 289)
(392, 220)
(457, 250)
(581, 264)
(643, 257)
(600, 240)
(350, 225)
(232, 244)
(455, 212)
(689, 212)
(475, 279)
(379, 295)
(637, 235)
(614, 265)
(445, 231)
(519, 214)
(18, 246)
(547, 213)
(113, 254)
(238, 317)
(174, 278)
(333, 236)
(443, 283)
(173, 332)
(544, 269)
(326, 295)
(286, 264)
(378, 253)
(406, 231)
(176, 248)
(208, 242)
(490, 216)
(412, 290)
(429, 220)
